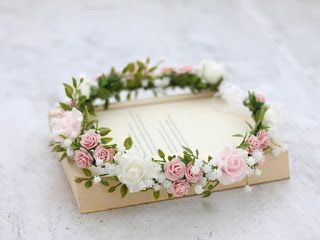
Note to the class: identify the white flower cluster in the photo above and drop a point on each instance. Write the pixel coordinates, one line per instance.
(210, 71)
(86, 85)
(273, 119)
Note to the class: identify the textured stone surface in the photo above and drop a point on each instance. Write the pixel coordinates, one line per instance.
(269, 45)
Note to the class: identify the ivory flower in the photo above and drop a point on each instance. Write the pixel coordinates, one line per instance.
(210, 71)
(136, 171)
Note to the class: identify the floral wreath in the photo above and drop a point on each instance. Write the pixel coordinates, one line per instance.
(77, 136)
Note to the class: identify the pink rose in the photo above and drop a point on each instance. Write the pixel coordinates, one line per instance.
(186, 69)
(90, 139)
(103, 154)
(174, 169)
(179, 188)
(67, 124)
(83, 158)
(260, 98)
(233, 165)
(254, 143)
(263, 138)
(192, 177)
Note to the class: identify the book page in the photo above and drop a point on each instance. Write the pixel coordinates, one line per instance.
(195, 123)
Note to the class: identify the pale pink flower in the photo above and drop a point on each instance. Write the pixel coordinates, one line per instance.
(179, 188)
(254, 143)
(193, 177)
(174, 169)
(186, 69)
(260, 97)
(233, 165)
(263, 138)
(166, 70)
(90, 139)
(83, 158)
(67, 124)
(103, 154)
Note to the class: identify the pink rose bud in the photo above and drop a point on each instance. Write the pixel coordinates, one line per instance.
(233, 165)
(174, 169)
(83, 158)
(186, 69)
(90, 139)
(254, 143)
(263, 138)
(260, 98)
(179, 188)
(192, 177)
(104, 154)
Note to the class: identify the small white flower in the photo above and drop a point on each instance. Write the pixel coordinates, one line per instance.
(167, 184)
(233, 95)
(97, 179)
(161, 83)
(210, 71)
(251, 161)
(195, 169)
(247, 188)
(156, 187)
(250, 171)
(99, 162)
(258, 155)
(203, 182)
(161, 178)
(198, 189)
(69, 152)
(257, 172)
(207, 168)
(67, 142)
(214, 175)
(144, 82)
(213, 162)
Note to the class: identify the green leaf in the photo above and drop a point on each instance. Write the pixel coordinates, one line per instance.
(112, 189)
(106, 140)
(187, 150)
(74, 82)
(63, 156)
(65, 106)
(206, 193)
(87, 172)
(127, 143)
(78, 180)
(156, 194)
(104, 182)
(169, 195)
(104, 131)
(237, 135)
(161, 154)
(69, 90)
(123, 190)
(88, 184)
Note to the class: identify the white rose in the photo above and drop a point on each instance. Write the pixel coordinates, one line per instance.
(136, 171)
(210, 71)
(272, 117)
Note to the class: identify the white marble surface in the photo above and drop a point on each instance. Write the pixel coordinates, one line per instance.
(269, 45)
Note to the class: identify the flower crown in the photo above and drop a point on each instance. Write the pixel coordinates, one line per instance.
(77, 136)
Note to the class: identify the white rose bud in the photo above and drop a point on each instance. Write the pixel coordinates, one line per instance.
(198, 189)
(210, 71)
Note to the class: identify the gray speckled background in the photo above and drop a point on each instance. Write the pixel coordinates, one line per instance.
(270, 45)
